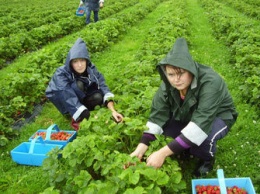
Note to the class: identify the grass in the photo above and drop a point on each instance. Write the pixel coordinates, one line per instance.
(238, 153)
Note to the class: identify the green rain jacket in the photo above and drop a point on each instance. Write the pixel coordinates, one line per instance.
(206, 99)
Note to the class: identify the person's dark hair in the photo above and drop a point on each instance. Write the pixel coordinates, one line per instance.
(178, 70)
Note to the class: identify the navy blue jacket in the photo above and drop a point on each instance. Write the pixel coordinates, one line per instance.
(92, 5)
(62, 90)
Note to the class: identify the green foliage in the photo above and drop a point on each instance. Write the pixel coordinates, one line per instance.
(38, 27)
(245, 7)
(98, 159)
(241, 35)
(50, 190)
(93, 164)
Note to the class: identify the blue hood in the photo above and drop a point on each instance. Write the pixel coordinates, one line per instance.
(78, 50)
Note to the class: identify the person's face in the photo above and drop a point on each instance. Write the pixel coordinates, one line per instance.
(179, 78)
(79, 65)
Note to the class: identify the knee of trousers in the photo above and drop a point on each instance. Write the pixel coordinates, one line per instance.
(93, 100)
(206, 150)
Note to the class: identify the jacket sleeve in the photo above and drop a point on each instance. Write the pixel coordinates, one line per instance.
(160, 111)
(212, 95)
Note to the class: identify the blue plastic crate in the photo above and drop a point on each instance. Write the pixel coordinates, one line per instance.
(54, 129)
(80, 11)
(32, 153)
(222, 182)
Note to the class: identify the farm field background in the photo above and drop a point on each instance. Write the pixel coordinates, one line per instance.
(127, 42)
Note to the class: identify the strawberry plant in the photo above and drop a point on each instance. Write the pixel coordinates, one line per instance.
(94, 163)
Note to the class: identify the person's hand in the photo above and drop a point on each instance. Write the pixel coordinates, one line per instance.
(118, 117)
(139, 151)
(101, 5)
(81, 3)
(156, 159)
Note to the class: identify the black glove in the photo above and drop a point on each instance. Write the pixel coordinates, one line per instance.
(84, 115)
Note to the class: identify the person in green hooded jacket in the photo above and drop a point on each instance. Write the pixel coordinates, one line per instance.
(193, 106)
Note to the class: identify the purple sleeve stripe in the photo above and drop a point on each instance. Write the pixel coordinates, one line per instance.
(182, 143)
(150, 136)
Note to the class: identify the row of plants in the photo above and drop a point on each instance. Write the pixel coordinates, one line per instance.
(241, 35)
(23, 41)
(244, 7)
(9, 10)
(34, 20)
(98, 160)
(252, 2)
(17, 99)
(157, 42)
(30, 13)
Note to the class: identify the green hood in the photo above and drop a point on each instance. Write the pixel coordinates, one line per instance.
(179, 56)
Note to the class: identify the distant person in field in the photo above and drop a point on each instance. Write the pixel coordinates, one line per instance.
(92, 5)
(193, 106)
(77, 87)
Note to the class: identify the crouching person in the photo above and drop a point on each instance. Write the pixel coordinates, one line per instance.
(193, 106)
(77, 87)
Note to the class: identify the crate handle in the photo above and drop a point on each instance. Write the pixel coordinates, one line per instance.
(50, 128)
(221, 180)
(33, 143)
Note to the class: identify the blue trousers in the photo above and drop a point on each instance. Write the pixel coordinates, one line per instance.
(88, 14)
(90, 100)
(208, 148)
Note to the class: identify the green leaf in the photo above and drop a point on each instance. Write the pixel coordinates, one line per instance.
(137, 190)
(82, 180)
(73, 162)
(128, 172)
(162, 179)
(134, 178)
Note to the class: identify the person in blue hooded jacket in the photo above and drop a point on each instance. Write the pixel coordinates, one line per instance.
(78, 87)
(193, 106)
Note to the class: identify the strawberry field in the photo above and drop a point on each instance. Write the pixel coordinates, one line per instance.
(127, 42)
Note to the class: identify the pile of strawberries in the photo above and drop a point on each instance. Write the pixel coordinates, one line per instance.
(61, 135)
(210, 189)
(81, 11)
